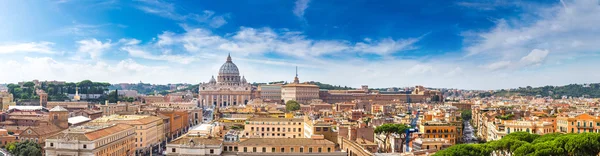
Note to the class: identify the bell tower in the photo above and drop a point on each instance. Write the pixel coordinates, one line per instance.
(59, 116)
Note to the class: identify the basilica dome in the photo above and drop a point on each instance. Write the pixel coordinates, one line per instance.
(229, 68)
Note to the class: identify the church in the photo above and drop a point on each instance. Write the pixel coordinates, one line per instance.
(229, 89)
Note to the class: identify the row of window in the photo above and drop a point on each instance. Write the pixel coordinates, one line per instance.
(278, 129)
(440, 131)
(272, 123)
(282, 150)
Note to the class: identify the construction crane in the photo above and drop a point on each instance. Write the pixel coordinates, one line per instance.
(413, 122)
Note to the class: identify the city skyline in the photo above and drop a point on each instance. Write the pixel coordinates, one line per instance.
(441, 44)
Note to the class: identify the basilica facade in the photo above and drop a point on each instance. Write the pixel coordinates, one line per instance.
(229, 89)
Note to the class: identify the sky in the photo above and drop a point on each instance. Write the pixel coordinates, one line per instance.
(466, 44)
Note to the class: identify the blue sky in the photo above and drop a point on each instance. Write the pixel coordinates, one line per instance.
(487, 44)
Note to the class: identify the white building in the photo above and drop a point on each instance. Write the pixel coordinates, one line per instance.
(229, 89)
(194, 146)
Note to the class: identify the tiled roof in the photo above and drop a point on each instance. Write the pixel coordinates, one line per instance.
(83, 133)
(58, 109)
(285, 142)
(93, 135)
(196, 140)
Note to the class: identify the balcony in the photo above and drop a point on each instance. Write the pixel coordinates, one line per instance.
(585, 126)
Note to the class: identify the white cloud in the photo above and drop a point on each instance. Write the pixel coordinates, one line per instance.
(385, 46)
(136, 52)
(299, 7)
(30, 47)
(93, 47)
(168, 10)
(498, 65)
(535, 57)
(567, 29)
(256, 41)
(419, 69)
(132, 41)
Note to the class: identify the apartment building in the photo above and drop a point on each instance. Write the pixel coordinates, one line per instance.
(287, 146)
(149, 129)
(440, 129)
(274, 128)
(101, 140)
(577, 123)
(188, 145)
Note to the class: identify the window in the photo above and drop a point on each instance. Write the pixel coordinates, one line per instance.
(253, 149)
(328, 149)
(51, 144)
(325, 129)
(301, 149)
(84, 146)
(273, 149)
(212, 151)
(173, 150)
(245, 149)
(235, 148)
(318, 129)
(282, 150)
(319, 150)
(292, 149)
(310, 150)
(264, 149)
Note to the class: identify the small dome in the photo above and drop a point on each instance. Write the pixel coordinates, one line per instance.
(212, 80)
(243, 79)
(229, 68)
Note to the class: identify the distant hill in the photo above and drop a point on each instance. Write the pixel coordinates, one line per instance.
(573, 90)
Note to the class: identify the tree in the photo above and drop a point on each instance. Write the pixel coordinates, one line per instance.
(388, 129)
(466, 115)
(466, 149)
(292, 105)
(25, 148)
(521, 144)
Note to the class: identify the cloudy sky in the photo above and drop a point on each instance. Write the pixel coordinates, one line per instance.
(478, 44)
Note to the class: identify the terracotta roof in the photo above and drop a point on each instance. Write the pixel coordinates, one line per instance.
(93, 133)
(146, 120)
(49, 129)
(106, 131)
(285, 142)
(58, 109)
(196, 140)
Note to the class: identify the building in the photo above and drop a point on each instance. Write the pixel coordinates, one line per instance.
(577, 123)
(6, 138)
(6, 100)
(318, 128)
(439, 129)
(419, 95)
(287, 146)
(188, 145)
(430, 145)
(69, 105)
(274, 128)
(229, 89)
(300, 92)
(270, 92)
(102, 140)
(149, 130)
(178, 122)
